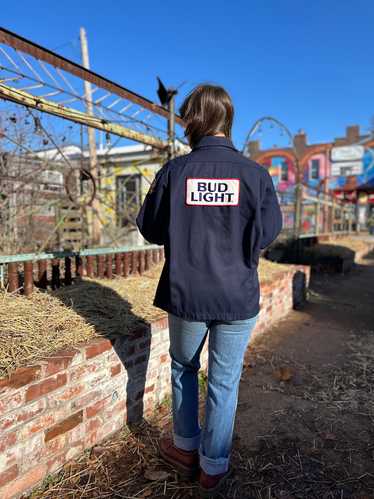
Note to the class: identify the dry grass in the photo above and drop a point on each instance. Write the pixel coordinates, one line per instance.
(32, 328)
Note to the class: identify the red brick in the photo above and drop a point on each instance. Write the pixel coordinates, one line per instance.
(41, 423)
(159, 324)
(46, 386)
(114, 370)
(8, 475)
(11, 402)
(91, 438)
(23, 415)
(69, 393)
(25, 482)
(21, 377)
(93, 425)
(60, 360)
(56, 462)
(97, 347)
(95, 408)
(87, 399)
(55, 445)
(83, 370)
(117, 408)
(64, 426)
(164, 358)
(7, 441)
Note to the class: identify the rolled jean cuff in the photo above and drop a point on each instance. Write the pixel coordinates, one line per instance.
(214, 466)
(187, 443)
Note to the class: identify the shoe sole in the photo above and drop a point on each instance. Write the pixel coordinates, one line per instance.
(206, 493)
(183, 471)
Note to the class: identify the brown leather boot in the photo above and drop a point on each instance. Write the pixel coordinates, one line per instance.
(185, 462)
(209, 485)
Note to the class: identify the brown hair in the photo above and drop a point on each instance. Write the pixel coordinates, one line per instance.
(207, 110)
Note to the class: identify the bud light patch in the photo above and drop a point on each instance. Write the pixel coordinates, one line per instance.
(212, 191)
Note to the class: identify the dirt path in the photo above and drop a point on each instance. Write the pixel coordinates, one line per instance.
(306, 411)
(305, 420)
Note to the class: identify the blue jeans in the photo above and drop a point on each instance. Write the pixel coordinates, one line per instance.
(228, 341)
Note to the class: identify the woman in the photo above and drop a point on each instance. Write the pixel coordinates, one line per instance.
(213, 210)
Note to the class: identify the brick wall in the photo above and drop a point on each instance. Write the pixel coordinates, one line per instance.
(52, 411)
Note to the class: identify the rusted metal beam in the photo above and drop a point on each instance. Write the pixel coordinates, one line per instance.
(24, 98)
(22, 44)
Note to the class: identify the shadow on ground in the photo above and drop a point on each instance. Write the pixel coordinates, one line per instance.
(113, 319)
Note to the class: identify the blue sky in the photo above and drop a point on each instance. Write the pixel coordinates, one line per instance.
(309, 64)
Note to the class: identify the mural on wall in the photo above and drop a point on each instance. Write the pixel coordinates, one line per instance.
(282, 170)
(318, 168)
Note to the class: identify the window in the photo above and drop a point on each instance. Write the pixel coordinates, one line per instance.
(284, 171)
(314, 169)
(128, 199)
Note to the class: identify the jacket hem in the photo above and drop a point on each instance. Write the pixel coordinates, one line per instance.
(195, 316)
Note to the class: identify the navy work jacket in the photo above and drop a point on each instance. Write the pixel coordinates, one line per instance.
(213, 210)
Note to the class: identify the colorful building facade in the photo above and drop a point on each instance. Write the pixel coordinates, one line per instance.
(343, 167)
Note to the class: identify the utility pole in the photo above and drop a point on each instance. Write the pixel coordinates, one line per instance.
(171, 123)
(94, 218)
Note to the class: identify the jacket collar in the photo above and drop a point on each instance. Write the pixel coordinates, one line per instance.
(214, 141)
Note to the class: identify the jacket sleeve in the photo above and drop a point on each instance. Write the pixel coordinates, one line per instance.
(153, 217)
(271, 214)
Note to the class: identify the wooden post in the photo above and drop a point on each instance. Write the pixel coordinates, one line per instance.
(13, 279)
(42, 274)
(100, 266)
(68, 276)
(141, 261)
(96, 227)
(118, 263)
(148, 259)
(78, 267)
(135, 262)
(90, 266)
(155, 256)
(109, 266)
(56, 273)
(126, 263)
(28, 278)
